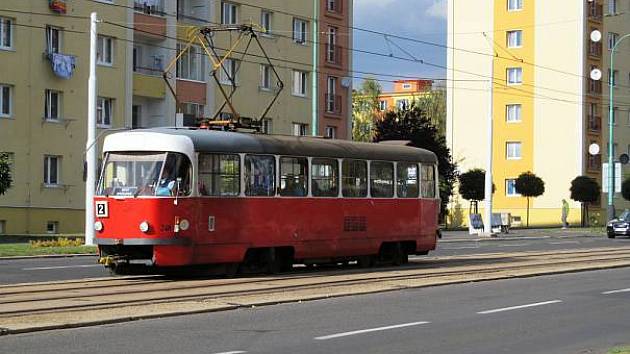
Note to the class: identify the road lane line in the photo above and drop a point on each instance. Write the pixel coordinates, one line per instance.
(65, 267)
(352, 333)
(616, 291)
(519, 307)
(459, 248)
(515, 245)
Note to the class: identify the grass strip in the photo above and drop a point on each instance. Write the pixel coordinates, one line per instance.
(25, 249)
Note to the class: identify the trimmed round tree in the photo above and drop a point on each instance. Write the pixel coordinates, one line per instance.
(472, 186)
(529, 186)
(5, 173)
(585, 189)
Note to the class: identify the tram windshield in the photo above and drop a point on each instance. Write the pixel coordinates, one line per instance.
(136, 174)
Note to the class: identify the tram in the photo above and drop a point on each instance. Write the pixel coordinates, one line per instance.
(173, 197)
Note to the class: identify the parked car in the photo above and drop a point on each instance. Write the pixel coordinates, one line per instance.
(619, 226)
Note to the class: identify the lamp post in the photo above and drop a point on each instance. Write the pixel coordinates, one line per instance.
(611, 160)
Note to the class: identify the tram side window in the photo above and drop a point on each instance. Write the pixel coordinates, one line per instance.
(407, 174)
(325, 177)
(382, 179)
(293, 176)
(428, 181)
(354, 179)
(219, 175)
(260, 175)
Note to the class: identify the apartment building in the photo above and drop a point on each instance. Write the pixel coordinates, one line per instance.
(44, 65)
(404, 94)
(43, 107)
(545, 107)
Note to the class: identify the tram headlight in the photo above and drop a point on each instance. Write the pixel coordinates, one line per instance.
(184, 224)
(98, 226)
(144, 226)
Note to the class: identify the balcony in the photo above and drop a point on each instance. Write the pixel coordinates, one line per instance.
(149, 19)
(594, 87)
(595, 49)
(594, 123)
(148, 85)
(333, 54)
(595, 11)
(333, 104)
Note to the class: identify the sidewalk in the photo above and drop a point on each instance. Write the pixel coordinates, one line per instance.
(522, 234)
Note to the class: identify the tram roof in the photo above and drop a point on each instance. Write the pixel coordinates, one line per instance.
(233, 142)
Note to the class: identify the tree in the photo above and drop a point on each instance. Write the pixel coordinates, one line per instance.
(529, 185)
(472, 186)
(585, 189)
(413, 125)
(625, 189)
(5, 173)
(433, 103)
(365, 110)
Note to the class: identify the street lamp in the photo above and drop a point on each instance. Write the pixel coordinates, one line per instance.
(611, 164)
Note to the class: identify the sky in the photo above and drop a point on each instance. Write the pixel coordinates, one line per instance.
(423, 20)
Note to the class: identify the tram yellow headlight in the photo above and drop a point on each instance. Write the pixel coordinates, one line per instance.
(98, 226)
(144, 226)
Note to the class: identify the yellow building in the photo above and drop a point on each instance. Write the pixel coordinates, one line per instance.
(43, 114)
(546, 110)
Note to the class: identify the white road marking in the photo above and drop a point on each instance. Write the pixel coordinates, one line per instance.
(232, 352)
(515, 245)
(616, 291)
(64, 267)
(459, 248)
(352, 333)
(519, 307)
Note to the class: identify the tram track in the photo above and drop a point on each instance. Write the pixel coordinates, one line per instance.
(141, 292)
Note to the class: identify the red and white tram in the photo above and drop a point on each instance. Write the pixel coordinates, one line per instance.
(176, 197)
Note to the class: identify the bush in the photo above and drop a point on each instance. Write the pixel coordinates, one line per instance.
(61, 242)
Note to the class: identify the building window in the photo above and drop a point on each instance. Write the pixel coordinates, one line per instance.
(267, 126)
(612, 39)
(51, 170)
(300, 129)
(229, 72)
(52, 105)
(333, 5)
(382, 105)
(136, 116)
(510, 188)
(105, 50)
(52, 227)
(265, 77)
(3, 227)
(513, 113)
(6, 33)
(299, 30)
(612, 78)
(190, 64)
(331, 95)
(266, 21)
(614, 116)
(331, 132)
(300, 83)
(5, 101)
(193, 110)
(515, 39)
(104, 111)
(515, 5)
(403, 104)
(513, 150)
(229, 13)
(53, 39)
(514, 76)
(331, 46)
(612, 7)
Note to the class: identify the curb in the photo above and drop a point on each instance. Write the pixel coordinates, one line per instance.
(69, 255)
(515, 238)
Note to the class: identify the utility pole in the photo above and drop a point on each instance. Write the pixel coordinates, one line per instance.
(487, 225)
(90, 156)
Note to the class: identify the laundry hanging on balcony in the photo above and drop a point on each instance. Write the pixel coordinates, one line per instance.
(58, 6)
(62, 64)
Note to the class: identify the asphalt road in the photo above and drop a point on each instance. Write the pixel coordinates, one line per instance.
(571, 313)
(52, 269)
